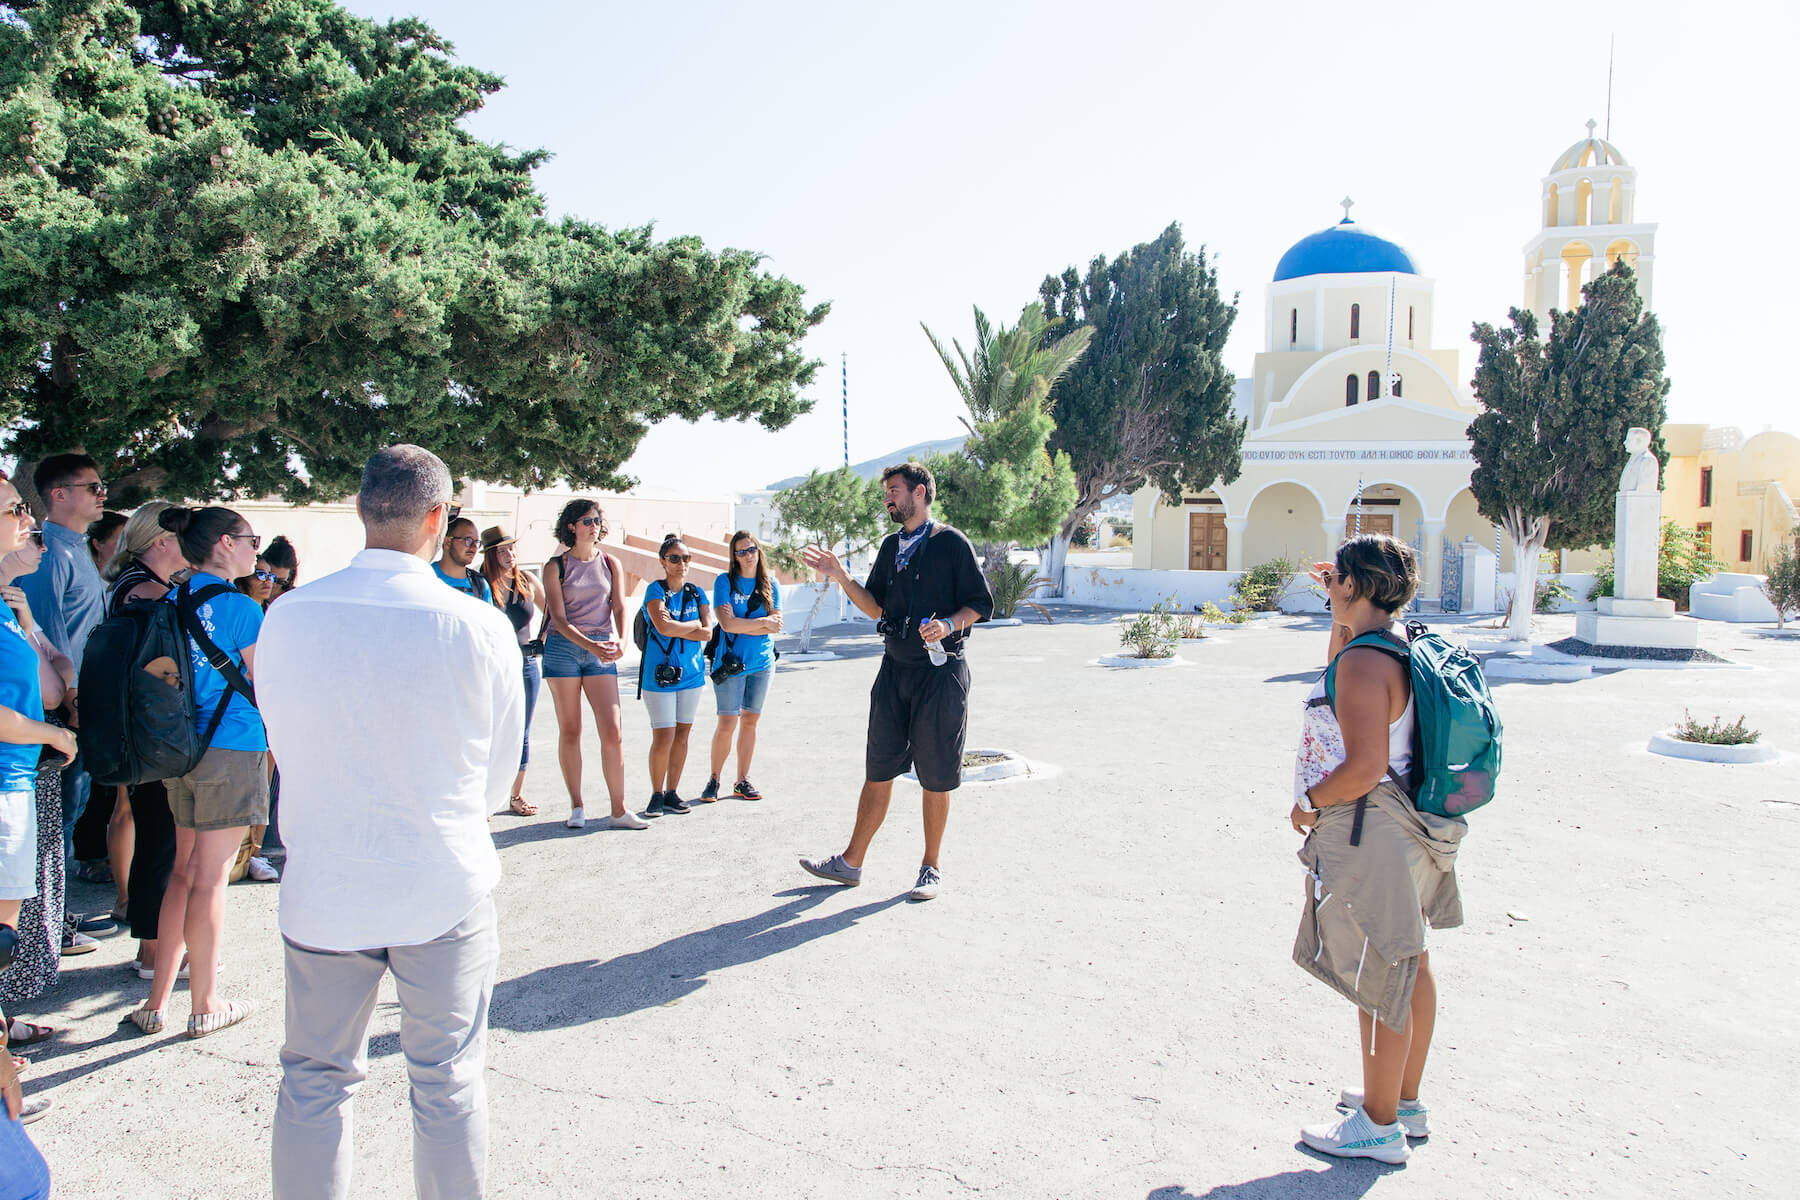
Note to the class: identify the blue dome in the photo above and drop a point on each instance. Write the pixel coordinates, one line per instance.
(1344, 249)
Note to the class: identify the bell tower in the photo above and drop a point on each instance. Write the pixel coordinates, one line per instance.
(1589, 214)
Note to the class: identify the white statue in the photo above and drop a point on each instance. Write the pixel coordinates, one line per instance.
(1642, 472)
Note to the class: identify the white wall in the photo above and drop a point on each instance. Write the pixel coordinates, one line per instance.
(1130, 589)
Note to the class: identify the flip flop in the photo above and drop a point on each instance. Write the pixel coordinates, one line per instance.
(32, 1036)
(522, 809)
(201, 1024)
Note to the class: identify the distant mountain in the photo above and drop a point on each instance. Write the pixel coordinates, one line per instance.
(875, 466)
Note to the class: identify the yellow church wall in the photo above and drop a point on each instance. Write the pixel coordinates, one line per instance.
(1742, 500)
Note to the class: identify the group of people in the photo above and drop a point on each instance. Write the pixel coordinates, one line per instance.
(390, 864)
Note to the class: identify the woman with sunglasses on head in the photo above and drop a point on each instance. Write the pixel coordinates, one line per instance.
(581, 655)
(144, 567)
(748, 602)
(228, 790)
(23, 735)
(519, 595)
(678, 621)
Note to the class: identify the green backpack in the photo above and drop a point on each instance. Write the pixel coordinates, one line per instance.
(1456, 732)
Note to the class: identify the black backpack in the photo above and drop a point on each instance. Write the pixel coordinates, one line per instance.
(641, 633)
(137, 724)
(730, 639)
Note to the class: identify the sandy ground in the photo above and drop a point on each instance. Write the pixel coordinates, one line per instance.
(1100, 1005)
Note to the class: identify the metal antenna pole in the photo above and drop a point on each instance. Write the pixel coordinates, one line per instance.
(1610, 39)
(1359, 492)
(846, 367)
(1387, 378)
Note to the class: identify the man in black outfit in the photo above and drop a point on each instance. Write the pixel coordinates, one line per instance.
(926, 589)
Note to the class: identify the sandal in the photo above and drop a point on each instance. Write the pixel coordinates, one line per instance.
(521, 808)
(201, 1024)
(149, 1020)
(32, 1036)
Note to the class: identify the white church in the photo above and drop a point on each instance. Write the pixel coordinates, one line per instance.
(1351, 429)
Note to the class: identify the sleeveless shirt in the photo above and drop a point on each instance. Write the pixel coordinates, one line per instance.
(587, 595)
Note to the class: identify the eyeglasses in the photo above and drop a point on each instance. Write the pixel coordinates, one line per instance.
(590, 522)
(1328, 576)
(93, 485)
(746, 552)
(255, 539)
(678, 558)
(18, 510)
(470, 542)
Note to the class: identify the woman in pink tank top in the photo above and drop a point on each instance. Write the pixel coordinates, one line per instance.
(582, 652)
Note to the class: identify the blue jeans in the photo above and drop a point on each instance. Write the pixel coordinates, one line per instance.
(23, 1173)
(75, 787)
(534, 680)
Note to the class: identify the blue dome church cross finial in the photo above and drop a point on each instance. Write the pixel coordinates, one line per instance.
(1347, 202)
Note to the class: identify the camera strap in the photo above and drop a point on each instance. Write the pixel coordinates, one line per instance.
(650, 626)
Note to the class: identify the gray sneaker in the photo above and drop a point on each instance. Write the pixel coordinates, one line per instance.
(834, 868)
(927, 887)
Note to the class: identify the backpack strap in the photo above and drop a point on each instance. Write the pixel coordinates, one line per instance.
(1384, 640)
(187, 606)
(544, 625)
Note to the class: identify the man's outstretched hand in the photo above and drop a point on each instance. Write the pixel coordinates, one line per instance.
(824, 562)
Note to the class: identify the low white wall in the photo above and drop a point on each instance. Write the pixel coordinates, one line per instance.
(1730, 596)
(1130, 589)
(1579, 583)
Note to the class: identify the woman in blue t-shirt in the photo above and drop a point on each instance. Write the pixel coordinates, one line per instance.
(748, 601)
(678, 621)
(228, 790)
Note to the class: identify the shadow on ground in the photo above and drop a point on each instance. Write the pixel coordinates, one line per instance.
(1340, 1180)
(574, 993)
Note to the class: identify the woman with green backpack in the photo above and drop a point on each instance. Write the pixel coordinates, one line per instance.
(1378, 868)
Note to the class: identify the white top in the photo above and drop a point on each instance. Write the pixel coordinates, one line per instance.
(396, 712)
(1322, 741)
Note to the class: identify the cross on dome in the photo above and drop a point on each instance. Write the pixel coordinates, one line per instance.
(1347, 202)
(1591, 124)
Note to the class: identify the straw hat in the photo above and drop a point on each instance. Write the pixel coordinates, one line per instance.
(495, 536)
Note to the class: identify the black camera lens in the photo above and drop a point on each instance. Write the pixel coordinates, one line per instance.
(668, 675)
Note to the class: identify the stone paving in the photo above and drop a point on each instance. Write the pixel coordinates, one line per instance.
(1101, 1004)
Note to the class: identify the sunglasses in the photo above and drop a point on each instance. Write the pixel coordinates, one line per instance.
(255, 539)
(94, 486)
(678, 558)
(18, 510)
(470, 542)
(590, 522)
(746, 552)
(279, 582)
(265, 576)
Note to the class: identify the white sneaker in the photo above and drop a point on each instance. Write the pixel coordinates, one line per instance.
(927, 887)
(1355, 1136)
(629, 820)
(1410, 1112)
(577, 818)
(262, 870)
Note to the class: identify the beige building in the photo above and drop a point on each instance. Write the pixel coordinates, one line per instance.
(1739, 490)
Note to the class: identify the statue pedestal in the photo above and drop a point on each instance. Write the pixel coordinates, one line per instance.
(1649, 623)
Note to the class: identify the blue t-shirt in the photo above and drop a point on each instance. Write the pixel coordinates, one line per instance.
(232, 621)
(472, 584)
(68, 597)
(684, 652)
(21, 692)
(756, 649)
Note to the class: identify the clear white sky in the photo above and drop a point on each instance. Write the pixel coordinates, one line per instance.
(907, 161)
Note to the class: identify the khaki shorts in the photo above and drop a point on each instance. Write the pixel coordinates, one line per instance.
(228, 789)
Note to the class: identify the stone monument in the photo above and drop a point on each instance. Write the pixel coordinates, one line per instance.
(1634, 615)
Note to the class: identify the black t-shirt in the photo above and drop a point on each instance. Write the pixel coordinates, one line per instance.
(942, 576)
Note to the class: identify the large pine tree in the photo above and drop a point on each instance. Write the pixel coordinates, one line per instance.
(243, 243)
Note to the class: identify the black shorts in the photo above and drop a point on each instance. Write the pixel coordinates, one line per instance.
(917, 718)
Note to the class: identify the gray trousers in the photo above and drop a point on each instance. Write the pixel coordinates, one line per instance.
(444, 987)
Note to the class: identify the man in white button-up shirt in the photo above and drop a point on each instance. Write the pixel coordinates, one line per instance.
(395, 709)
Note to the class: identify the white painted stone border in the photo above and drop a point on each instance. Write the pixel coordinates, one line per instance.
(1015, 769)
(1001, 623)
(809, 656)
(1131, 662)
(1667, 744)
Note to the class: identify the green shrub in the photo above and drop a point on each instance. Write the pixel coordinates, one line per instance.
(1261, 588)
(1684, 559)
(1154, 634)
(1013, 585)
(1783, 584)
(1212, 614)
(1551, 592)
(1716, 734)
(1123, 528)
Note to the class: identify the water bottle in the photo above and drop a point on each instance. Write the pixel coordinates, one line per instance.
(934, 650)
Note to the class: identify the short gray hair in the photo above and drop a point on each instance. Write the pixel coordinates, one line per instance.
(400, 485)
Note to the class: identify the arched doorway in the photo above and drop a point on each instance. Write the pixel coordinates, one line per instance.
(1284, 522)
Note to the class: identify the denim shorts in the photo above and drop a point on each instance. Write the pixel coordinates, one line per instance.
(743, 692)
(563, 659)
(668, 709)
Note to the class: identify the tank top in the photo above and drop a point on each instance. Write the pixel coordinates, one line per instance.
(521, 612)
(1322, 741)
(587, 595)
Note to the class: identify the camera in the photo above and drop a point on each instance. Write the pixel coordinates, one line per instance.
(892, 629)
(668, 674)
(729, 665)
(533, 649)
